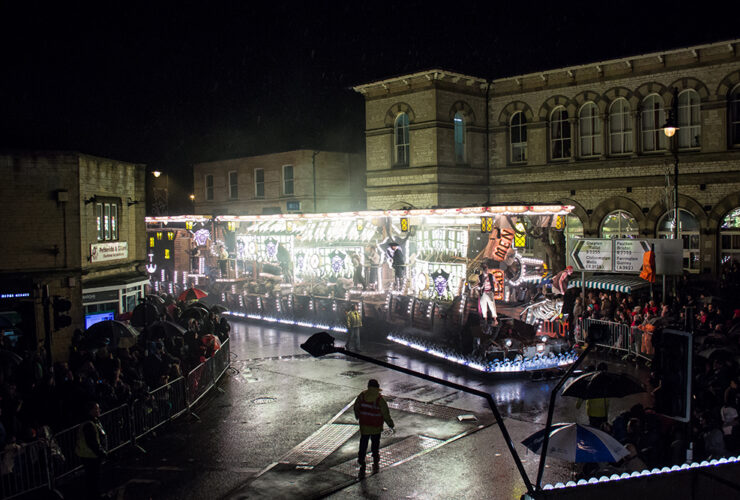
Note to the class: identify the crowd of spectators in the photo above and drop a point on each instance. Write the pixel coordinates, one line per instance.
(36, 399)
(713, 318)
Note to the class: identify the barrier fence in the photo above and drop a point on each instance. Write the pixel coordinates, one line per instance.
(625, 339)
(28, 467)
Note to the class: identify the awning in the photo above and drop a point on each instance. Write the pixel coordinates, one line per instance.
(612, 282)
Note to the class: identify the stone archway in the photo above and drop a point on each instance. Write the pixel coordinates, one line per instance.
(610, 205)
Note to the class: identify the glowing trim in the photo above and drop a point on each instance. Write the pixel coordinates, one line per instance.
(270, 319)
(643, 473)
(507, 365)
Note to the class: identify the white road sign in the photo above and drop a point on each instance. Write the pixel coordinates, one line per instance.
(592, 255)
(628, 255)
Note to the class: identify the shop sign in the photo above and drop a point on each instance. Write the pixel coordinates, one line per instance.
(103, 296)
(100, 252)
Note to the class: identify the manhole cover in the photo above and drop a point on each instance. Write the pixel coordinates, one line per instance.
(264, 400)
(351, 374)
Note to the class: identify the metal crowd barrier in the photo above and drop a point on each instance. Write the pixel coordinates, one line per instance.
(626, 339)
(36, 465)
(24, 468)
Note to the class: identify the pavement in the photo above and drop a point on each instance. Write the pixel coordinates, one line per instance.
(281, 426)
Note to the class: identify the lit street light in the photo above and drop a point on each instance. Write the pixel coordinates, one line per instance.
(160, 196)
(192, 202)
(670, 128)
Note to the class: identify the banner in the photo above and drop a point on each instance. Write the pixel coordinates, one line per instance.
(100, 252)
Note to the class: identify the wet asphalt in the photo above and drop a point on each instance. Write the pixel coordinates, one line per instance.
(277, 396)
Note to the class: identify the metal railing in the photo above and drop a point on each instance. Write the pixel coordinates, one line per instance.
(28, 467)
(623, 339)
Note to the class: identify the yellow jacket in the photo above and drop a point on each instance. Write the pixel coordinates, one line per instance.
(354, 319)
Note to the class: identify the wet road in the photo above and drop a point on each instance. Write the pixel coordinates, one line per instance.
(278, 397)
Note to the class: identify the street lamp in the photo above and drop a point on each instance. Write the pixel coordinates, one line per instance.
(670, 128)
(320, 344)
(192, 201)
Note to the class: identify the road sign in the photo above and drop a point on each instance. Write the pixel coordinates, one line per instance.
(628, 255)
(592, 255)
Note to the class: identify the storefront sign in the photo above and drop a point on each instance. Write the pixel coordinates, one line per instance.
(103, 296)
(100, 252)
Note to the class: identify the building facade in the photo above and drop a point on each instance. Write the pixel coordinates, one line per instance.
(74, 243)
(591, 136)
(293, 181)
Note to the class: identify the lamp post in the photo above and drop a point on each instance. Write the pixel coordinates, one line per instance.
(320, 344)
(192, 203)
(670, 128)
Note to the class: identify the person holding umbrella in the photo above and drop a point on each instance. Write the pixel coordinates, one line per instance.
(597, 409)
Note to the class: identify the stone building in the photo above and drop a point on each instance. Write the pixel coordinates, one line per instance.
(74, 231)
(303, 180)
(591, 136)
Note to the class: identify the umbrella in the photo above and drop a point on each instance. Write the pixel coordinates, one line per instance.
(200, 305)
(578, 443)
(602, 385)
(192, 294)
(9, 358)
(145, 314)
(120, 334)
(156, 299)
(166, 329)
(717, 353)
(218, 308)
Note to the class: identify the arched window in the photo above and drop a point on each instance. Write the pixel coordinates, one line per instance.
(653, 119)
(688, 231)
(459, 138)
(729, 232)
(734, 119)
(401, 134)
(620, 127)
(689, 119)
(518, 137)
(590, 130)
(573, 227)
(619, 224)
(559, 134)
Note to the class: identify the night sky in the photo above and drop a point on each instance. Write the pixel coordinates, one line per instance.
(175, 83)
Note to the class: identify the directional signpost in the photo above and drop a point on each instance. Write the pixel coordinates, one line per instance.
(592, 255)
(628, 255)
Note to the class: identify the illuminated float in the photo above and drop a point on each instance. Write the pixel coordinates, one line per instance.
(307, 269)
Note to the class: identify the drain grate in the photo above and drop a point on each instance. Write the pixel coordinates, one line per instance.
(351, 374)
(320, 444)
(431, 410)
(264, 400)
(393, 454)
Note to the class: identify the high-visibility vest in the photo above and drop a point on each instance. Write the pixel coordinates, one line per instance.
(369, 413)
(82, 450)
(648, 266)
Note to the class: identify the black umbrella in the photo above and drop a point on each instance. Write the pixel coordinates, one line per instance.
(156, 299)
(166, 329)
(603, 385)
(145, 314)
(218, 308)
(194, 312)
(120, 334)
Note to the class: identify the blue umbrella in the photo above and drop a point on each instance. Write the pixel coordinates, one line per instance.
(578, 443)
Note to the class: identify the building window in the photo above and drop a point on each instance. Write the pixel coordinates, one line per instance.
(518, 137)
(209, 187)
(573, 227)
(688, 231)
(233, 185)
(590, 130)
(259, 183)
(560, 134)
(653, 119)
(689, 119)
(288, 179)
(401, 134)
(620, 127)
(619, 224)
(734, 119)
(729, 232)
(106, 220)
(459, 139)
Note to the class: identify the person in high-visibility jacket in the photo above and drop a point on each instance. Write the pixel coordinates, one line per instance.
(90, 447)
(371, 410)
(354, 326)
